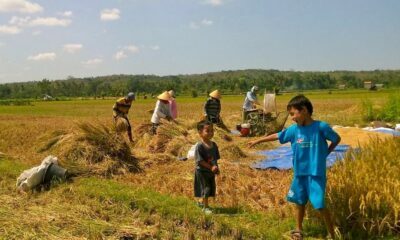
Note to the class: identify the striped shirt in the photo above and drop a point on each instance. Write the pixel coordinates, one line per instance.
(212, 107)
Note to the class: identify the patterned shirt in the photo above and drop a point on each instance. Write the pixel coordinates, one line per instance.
(121, 107)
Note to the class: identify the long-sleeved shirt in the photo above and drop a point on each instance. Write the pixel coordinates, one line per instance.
(249, 100)
(212, 108)
(174, 108)
(121, 107)
(162, 110)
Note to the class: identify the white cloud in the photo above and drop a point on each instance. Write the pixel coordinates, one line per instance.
(21, 6)
(120, 55)
(204, 22)
(132, 48)
(2, 44)
(207, 22)
(72, 48)
(19, 21)
(214, 2)
(5, 29)
(193, 25)
(49, 22)
(66, 14)
(93, 61)
(43, 57)
(109, 14)
(155, 47)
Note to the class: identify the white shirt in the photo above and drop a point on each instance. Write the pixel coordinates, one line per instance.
(162, 110)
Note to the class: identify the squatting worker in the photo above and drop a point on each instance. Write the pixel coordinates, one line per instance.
(121, 109)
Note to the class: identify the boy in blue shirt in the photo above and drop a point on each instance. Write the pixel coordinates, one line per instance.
(310, 149)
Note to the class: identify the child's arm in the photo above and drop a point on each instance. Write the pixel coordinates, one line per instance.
(333, 145)
(272, 137)
(207, 165)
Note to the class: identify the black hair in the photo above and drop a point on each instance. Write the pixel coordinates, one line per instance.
(299, 102)
(202, 124)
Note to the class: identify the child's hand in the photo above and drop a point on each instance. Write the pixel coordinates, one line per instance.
(251, 143)
(215, 169)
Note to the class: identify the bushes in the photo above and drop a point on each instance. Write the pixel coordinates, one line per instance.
(390, 112)
(364, 190)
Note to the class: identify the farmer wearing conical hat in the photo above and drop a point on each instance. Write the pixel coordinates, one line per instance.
(121, 109)
(212, 110)
(250, 102)
(172, 104)
(162, 110)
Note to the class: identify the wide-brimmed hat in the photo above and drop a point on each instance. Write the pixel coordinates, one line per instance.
(171, 93)
(164, 96)
(215, 94)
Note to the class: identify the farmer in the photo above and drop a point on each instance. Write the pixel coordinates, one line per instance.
(212, 110)
(121, 109)
(172, 104)
(206, 156)
(250, 102)
(162, 110)
(308, 139)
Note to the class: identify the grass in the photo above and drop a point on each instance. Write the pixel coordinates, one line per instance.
(96, 208)
(156, 202)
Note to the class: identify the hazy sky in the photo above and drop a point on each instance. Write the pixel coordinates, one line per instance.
(54, 39)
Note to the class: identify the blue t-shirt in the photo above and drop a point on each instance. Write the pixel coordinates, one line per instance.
(309, 146)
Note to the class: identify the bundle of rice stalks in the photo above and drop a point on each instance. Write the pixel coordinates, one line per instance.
(142, 129)
(364, 190)
(165, 133)
(177, 146)
(220, 134)
(95, 149)
(159, 158)
(232, 152)
(121, 125)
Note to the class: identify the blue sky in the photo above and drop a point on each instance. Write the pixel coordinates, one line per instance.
(54, 39)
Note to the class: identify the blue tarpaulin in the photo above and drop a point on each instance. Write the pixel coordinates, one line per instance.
(281, 157)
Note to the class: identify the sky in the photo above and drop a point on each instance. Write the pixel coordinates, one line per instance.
(55, 39)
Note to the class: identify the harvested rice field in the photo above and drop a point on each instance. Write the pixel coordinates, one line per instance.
(141, 190)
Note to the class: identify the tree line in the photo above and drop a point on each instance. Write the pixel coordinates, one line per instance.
(229, 82)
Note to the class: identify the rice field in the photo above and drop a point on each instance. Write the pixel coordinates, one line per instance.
(108, 201)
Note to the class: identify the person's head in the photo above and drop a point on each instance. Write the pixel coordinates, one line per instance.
(300, 109)
(254, 89)
(215, 94)
(172, 93)
(130, 97)
(205, 129)
(164, 97)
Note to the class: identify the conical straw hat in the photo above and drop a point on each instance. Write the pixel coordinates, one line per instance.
(215, 94)
(164, 96)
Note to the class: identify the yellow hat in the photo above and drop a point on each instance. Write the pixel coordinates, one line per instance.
(215, 94)
(164, 96)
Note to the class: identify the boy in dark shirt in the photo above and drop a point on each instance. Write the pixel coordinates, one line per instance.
(206, 156)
